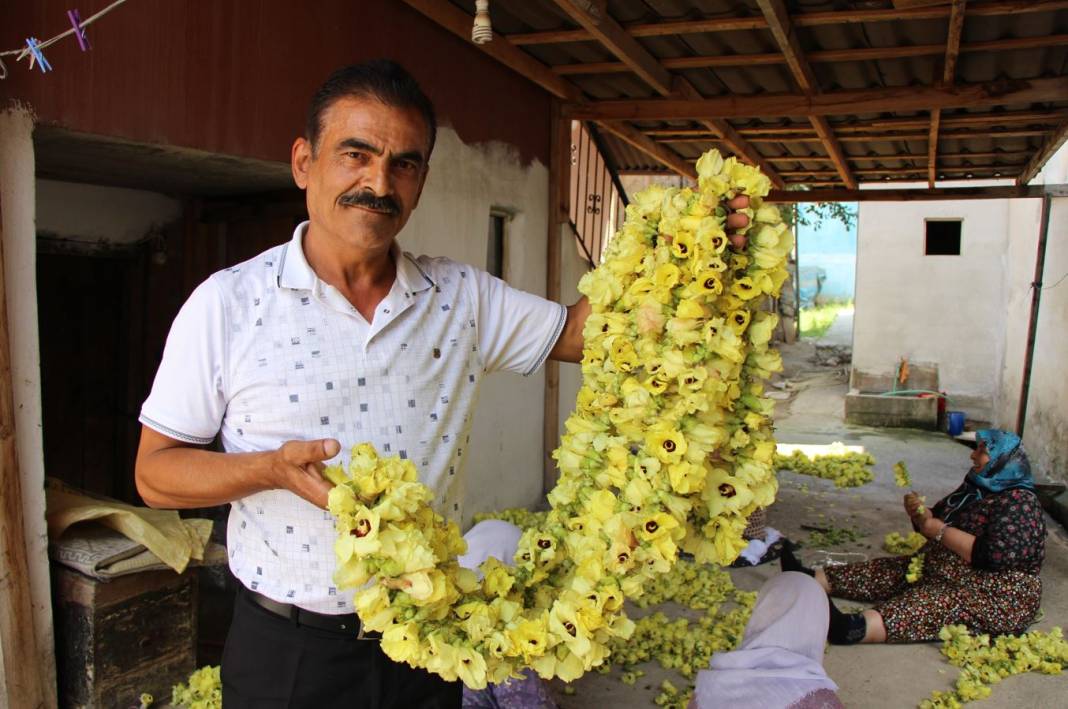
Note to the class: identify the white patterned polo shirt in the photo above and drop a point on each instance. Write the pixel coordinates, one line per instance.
(266, 352)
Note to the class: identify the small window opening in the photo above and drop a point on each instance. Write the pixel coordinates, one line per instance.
(943, 237)
(495, 244)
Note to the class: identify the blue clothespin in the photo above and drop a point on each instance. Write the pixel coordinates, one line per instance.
(79, 31)
(38, 55)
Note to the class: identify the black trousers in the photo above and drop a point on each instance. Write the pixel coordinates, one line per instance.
(270, 662)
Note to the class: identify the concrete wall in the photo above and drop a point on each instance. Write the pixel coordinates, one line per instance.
(97, 214)
(20, 284)
(1046, 425)
(452, 219)
(944, 309)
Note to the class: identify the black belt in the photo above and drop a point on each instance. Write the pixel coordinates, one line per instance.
(348, 623)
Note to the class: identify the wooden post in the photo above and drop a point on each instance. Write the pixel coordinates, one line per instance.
(559, 193)
(22, 684)
(1032, 325)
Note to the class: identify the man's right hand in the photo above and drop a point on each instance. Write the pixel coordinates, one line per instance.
(298, 467)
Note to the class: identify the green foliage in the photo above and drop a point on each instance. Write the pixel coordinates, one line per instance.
(814, 214)
(815, 321)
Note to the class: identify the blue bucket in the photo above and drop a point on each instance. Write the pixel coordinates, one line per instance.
(954, 422)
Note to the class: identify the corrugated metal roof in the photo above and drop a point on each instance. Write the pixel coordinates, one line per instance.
(894, 152)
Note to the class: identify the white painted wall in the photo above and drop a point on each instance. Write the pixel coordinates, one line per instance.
(970, 313)
(1046, 425)
(452, 219)
(98, 214)
(20, 283)
(944, 309)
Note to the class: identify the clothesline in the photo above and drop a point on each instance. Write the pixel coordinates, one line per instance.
(23, 52)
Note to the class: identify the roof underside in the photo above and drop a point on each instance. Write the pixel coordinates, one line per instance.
(904, 46)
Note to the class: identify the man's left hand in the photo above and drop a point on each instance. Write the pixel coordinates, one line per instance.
(736, 222)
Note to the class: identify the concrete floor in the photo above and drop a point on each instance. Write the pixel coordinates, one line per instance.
(875, 677)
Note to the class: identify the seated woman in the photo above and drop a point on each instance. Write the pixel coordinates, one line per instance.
(779, 664)
(980, 568)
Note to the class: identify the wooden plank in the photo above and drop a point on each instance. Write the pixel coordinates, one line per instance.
(883, 124)
(23, 685)
(1005, 92)
(946, 135)
(657, 29)
(821, 56)
(559, 211)
(783, 31)
(953, 46)
(807, 19)
(916, 195)
(949, 68)
(834, 150)
(459, 23)
(916, 170)
(729, 136)
(667, 157)
(608, 32)
(875, 158)
(1052, 144)
(932, 146)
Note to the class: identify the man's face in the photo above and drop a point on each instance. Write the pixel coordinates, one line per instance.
(366, 175)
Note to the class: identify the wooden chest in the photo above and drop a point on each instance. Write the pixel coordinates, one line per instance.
(117, 639)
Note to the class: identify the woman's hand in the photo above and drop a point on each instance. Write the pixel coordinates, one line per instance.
(916, 510)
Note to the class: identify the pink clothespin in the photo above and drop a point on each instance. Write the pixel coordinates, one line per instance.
(79, 31)
(37, 55)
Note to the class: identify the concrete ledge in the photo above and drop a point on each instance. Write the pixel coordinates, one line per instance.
(891, 411)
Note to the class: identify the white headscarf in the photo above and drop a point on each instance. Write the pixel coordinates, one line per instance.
(780, 659)
(492, 537)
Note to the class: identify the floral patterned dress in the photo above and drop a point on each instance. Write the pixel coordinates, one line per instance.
(998, 592)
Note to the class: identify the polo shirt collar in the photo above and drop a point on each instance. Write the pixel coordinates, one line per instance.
(294, 271)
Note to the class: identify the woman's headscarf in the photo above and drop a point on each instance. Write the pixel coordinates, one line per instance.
(1008, 468)
(780, 660)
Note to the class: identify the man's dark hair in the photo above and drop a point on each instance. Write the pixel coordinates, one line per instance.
(383, 79)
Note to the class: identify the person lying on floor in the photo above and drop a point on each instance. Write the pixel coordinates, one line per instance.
(981, 564)
(779, 664)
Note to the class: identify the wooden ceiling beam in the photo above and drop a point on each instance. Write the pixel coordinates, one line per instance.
(653, 149)
(616, 40)
(1004, 92)
(607, 31)
(885, 124)
(778, 159)
(949, 70)
(782, 30)
(808, 19)
(706, 136)
(823, 56)
(918, 171)
(727, 135)
(916, 194)
(459, 23)
(1052, 144)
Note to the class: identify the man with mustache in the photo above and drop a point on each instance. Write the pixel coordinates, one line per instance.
(337, 335)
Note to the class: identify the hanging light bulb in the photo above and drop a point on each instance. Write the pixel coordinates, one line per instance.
(482, 31)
